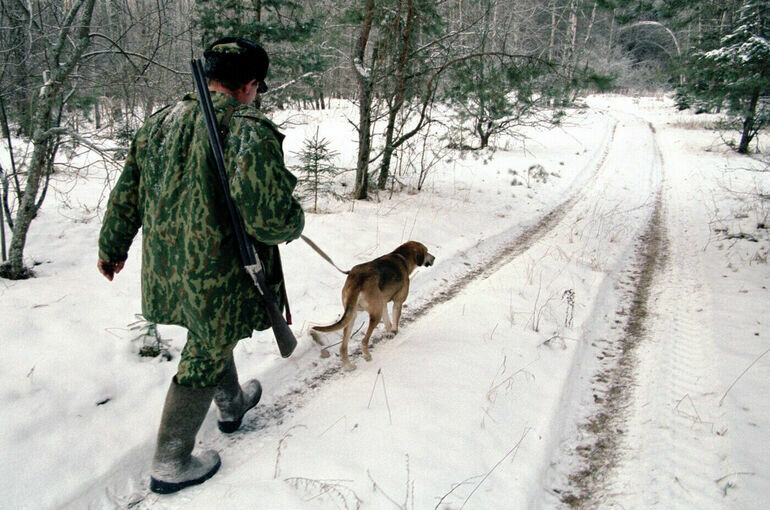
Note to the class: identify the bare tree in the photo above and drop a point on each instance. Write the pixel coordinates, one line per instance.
(66, 44)
(364, 64)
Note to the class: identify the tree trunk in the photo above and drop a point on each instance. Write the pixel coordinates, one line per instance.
(387, 155)
(404, 35)
(3, 252)
(27, 209)
(361, 191)
(552, 38)
(97, 115)
(570, 58)
(612, 30)
(484, 138)
(365, 85)
(484, 132)
(748, 124)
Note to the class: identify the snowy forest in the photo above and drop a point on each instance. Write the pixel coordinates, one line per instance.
(591, 176)
(77, 72)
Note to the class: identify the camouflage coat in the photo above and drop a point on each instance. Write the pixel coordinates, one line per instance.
(191, 270)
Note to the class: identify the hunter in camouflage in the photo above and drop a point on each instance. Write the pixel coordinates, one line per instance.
(191, 271)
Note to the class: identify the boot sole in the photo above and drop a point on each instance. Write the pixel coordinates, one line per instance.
(161, 487)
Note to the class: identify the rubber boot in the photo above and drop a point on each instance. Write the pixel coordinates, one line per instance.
(173, 466)
(233, 401)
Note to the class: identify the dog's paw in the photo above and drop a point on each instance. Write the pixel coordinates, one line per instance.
(367, 356)
(348, 367)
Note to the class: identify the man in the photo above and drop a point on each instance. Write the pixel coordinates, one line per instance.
(191, 272)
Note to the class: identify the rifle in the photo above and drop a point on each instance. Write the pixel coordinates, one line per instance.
(251, 263)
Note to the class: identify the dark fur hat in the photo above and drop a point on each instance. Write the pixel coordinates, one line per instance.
(235, 61)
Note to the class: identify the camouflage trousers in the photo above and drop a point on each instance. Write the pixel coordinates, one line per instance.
(203, 361)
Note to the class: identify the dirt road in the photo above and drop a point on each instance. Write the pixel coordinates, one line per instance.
(561, 363)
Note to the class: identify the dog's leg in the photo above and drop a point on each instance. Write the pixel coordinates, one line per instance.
(397, 304)
(347, 366)
(386, 318)
(374, 319)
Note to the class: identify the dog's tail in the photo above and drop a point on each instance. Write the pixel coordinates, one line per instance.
(347, 316)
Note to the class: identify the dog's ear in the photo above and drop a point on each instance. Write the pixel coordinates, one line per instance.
(420, 256)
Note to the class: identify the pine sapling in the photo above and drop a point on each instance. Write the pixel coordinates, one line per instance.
(317, 170)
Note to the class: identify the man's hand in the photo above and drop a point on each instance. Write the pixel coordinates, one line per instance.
(110, 269)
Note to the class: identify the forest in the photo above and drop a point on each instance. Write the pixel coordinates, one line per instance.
(77, 73)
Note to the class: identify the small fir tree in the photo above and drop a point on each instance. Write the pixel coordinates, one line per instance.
(735, 75)
(317, 170)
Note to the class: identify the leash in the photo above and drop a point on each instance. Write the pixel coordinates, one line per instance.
(322, 254)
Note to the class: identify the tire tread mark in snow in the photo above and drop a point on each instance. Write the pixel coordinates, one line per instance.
(604, 429)
(273, 414)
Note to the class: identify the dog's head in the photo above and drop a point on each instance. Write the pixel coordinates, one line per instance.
(416, 253)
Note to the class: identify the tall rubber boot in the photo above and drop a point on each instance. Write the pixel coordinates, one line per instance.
(233, 401)
(173, 466)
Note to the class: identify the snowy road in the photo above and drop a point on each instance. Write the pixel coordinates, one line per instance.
(482, 382)
(592, 341)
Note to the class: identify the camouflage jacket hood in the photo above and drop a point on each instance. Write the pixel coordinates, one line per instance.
(191, 273)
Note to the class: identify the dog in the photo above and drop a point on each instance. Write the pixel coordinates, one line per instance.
(371, 286)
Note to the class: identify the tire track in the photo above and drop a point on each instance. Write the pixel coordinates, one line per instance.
(673, 448)
(603, 431)
(481, 268)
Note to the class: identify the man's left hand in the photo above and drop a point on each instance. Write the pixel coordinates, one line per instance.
(109, 269)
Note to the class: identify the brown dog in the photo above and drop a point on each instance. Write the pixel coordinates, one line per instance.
(371, 286)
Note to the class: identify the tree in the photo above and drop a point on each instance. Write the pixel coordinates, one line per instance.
(317, 169)
(400, 50)
(366, 76)
(407, 62)
(496, 90)
(282, 25)
(736, 73)
(63, 48)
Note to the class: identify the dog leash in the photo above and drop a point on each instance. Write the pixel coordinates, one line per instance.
(322, 254)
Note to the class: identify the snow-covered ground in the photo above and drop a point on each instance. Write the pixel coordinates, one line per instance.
(596, 339)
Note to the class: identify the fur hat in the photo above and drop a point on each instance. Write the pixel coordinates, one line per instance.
(235, 61)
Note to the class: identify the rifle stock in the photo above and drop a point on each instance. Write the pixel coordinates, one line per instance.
(251, 264)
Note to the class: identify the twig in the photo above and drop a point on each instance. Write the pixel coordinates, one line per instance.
(464, 482)
(333, 489)
(376, 487)
(511, 451)
(535, 324)
(695, 410)
(734, 474)
(387, 403)
(332, 425)
(280, 447)
(721, 400)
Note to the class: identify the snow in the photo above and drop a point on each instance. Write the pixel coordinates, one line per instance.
(481, 399)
